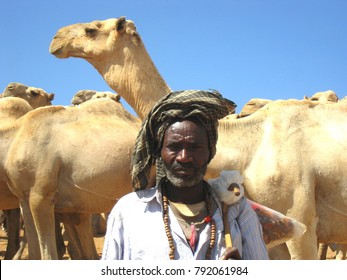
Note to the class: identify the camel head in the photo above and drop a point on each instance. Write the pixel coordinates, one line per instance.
(95, 40)
(328, 96)
(36, 97)
(252, 106)
(87, 94)
(107, 94)
(116, 50)
(82, 96)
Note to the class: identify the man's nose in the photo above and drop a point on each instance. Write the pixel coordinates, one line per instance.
(184, 156)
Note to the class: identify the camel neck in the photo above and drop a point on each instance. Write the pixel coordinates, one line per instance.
(137, 80)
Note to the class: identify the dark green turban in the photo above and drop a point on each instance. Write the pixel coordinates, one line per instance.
(206, 106)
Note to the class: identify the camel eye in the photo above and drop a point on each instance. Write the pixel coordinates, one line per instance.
(91, 32)
(34, 93)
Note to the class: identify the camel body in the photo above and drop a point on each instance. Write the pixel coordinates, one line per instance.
(291, 154)
(12, 108)
(83, 167)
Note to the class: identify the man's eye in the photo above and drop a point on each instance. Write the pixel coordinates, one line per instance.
(196, 146)
(174, 147)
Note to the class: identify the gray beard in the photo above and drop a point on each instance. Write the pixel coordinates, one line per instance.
(180, 183)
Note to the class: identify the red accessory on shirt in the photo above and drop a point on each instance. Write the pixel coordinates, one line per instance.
(193, 236)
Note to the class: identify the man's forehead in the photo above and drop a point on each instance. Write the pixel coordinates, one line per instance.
(187, 130)
(186, 124)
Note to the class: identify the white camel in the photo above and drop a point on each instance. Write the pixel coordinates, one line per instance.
(265, 147)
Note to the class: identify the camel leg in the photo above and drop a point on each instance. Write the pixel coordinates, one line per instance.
(83, 225)
(99, 224)
(13, 232)
(304, 248)
(279, 252)
(304, 211)
(23, 244)
(80, 235)
(341, 252)
(61, 248)
(322, 251)
(74, 247)
(30, 231)
(42, 209)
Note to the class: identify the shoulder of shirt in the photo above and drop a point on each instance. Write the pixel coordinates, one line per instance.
(133, 200)
(142, 195)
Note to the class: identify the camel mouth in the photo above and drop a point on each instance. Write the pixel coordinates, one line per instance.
(61, 52)
(57, 51)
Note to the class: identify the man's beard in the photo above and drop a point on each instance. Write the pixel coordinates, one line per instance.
(184, 182)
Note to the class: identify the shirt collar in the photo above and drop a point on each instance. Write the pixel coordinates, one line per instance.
(148, 195)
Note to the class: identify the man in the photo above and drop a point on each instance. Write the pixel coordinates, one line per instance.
(180, 217)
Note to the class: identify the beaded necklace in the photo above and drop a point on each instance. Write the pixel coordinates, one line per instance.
(208, 219)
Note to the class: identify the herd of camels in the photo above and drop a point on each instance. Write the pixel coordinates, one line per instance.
(73, 161)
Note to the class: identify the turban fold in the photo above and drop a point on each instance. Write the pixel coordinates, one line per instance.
(206, 106)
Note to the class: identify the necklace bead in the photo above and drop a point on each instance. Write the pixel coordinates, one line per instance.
(208, 220)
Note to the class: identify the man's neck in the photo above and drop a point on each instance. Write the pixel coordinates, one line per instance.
(186, 195)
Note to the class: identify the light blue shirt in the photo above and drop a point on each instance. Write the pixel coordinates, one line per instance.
(135, 231)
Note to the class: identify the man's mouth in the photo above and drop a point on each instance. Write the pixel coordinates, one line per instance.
(184, 171)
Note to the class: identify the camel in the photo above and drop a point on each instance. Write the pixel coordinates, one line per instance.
(11, 110)
(328, 96)
(115, 49)
(83, 168)
(36, 97)
(252, 106)
(322, 97)
(86, 94)
(298, 182)
(104, 94)
(82, 96)
(255, 104)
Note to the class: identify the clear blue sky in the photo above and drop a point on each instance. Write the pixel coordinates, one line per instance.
(244, 48)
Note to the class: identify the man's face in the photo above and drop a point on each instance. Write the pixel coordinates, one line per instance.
(185, 153)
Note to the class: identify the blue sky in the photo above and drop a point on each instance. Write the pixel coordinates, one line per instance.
(246, 48)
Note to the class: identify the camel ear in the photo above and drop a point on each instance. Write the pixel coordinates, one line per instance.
(120, 24)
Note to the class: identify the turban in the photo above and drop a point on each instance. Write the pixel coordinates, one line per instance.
(206, 106)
